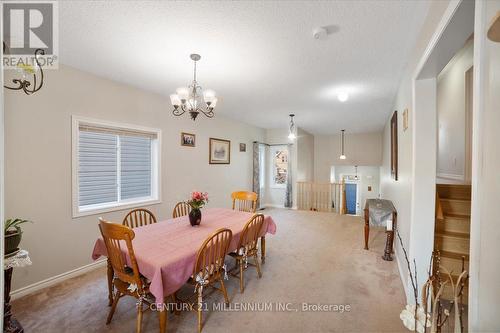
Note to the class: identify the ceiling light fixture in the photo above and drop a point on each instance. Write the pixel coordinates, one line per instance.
(291, 129)
(342, 152)
(188, 99)
(26, 69)
(343, 96)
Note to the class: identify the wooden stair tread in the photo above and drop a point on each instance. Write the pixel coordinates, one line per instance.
(453, 255)
(456, 216)
(453, 234)
(454, 200)
(454, 276)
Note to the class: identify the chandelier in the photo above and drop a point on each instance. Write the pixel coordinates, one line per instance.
(188, 99)
(342, 140)
(29, 87)
(291, 129)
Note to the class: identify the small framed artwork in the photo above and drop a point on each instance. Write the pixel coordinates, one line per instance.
(243, 147)
(394, 145)
(405, 119)
(188, 139)
(219, 151)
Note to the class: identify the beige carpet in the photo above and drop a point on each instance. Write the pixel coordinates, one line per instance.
(315, 258)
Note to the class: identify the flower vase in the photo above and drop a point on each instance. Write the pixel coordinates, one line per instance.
(195, 217)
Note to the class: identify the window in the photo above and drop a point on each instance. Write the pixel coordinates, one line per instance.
(279, 165)
(115, 166)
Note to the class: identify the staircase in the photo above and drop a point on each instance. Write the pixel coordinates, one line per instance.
(452, 230)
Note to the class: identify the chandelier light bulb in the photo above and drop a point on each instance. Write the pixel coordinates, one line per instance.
(209, 95)
(343, 96)
(343, 157)
(183, 93)
(292, 136)
(175, 100)
(213, 103)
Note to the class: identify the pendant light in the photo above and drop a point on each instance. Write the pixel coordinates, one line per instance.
(291, 129)
(342, 152)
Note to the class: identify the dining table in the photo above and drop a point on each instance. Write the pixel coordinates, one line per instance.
(166, 251)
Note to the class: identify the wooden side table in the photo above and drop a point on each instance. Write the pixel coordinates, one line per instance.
(382, 211)
(20, 259)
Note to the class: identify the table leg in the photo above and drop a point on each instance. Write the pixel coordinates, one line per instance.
(263, 249)
(110, 274)
(11, 325)
(394, 228)
(388, 246)
(163, 319)
(367, 228)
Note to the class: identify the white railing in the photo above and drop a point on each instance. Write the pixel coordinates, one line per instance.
(323, 197)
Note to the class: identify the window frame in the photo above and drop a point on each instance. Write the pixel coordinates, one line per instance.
(272, 173)
(155, 197)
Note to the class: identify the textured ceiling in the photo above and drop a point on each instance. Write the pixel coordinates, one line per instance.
(259, 57)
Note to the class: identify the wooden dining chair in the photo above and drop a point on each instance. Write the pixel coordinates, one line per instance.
(247, 247)
(209, 267)
(138, 218)
(126, 278)
(244, 201)
(181, 209)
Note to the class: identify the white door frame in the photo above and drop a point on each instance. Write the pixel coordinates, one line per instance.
(424, 158)
(453, 30)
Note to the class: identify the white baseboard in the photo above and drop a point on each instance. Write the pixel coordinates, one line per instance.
(450, 176)
(404, 277)
(56, 279)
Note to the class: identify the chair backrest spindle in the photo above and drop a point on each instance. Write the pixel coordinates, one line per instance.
(210, 256)
(250, 234)
(244, 201)
(138, 218)
(181, 209)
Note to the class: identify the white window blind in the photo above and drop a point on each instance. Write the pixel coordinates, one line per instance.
(115, 167)
(97, 168)
(135, 171)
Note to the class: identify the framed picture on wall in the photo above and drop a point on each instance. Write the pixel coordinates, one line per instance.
(243, 147)
(188, 139)
(219, 151)
(405, 120)
(394, 145)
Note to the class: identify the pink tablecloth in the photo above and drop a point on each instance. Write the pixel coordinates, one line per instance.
(166, 251)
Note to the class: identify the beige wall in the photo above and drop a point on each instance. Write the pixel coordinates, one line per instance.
(305, 156)
(451, 115)
(399, 192)
(360, 149)
(38, 162)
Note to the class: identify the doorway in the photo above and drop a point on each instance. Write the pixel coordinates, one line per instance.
(351, 191)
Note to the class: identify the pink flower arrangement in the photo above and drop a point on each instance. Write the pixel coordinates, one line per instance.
(198, 199)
